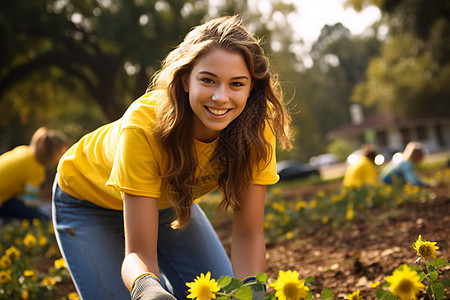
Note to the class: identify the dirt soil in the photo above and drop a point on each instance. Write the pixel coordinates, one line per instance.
(364, 251)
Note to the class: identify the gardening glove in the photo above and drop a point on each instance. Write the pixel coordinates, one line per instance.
(258, 289)
(148, 287)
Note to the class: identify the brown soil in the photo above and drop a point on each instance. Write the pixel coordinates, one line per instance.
(364, 251)
(361, 252)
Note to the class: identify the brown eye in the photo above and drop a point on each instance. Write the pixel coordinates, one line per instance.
(207, 80)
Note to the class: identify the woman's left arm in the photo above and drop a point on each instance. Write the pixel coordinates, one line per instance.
(248, 250)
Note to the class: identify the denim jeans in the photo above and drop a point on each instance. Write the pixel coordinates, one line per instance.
(91, 239)
(17, 209)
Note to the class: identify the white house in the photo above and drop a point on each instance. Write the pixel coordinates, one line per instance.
(390, 133)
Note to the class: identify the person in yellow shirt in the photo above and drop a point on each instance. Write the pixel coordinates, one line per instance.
(363, 172)
(125, 211)
(22, 172)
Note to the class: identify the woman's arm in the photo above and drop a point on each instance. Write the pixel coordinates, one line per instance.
(141, 235)
(248, 251)
(407, 169)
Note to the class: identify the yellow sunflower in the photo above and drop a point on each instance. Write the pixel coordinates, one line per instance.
(405, 283)
(354, 296)
(28, 273)
(32, 274)
(425, 249)
(25, 295)
(5, 261)
(48, 281)
(29, 240)
(5, 276)
(13, 253)
(60, 263)
(203, 287)
(73, 296)
(289, 287)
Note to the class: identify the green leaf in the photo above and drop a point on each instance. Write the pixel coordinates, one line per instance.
(438, 263)
(438, 290)
(434, 275)
(309, 296)
(224, 281)
(257, 287)
(244, 293)
(309, 280)
(327, 294)
(412, 267)
(270, 296)
(444, 281)
(431, 268)
(262, 278)
(422, 276)
(233, 285)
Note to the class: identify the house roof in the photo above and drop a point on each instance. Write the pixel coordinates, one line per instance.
(383, 121)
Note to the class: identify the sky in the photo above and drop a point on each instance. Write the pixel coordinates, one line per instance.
(314, 14)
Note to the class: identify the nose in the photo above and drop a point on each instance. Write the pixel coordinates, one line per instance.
(220, 94)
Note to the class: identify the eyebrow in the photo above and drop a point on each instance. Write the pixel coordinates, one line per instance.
(214, 75)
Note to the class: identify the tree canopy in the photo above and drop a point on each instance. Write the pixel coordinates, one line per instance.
(75, 65)
(411, 75)
(90, 52)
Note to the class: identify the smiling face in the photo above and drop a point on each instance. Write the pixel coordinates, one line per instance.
(218, 87)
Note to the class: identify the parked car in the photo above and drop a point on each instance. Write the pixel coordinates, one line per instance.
(292, 169)
(323, 159)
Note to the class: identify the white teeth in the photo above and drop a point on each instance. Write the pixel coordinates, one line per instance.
(217, 112)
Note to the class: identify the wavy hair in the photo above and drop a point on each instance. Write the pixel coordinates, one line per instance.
(241, 144)
(47, 144)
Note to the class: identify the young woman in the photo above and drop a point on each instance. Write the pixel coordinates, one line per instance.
(22, 172)
(208, 121)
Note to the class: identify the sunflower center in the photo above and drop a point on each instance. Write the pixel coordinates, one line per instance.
(291, 290)
(204, 292)
(405, 286)
(425, 251)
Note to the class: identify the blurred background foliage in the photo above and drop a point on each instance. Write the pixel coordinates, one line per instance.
(75, 65)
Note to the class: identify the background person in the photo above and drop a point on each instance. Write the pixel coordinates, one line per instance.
(403, 172)
(22, 172)
(208, 121)
(363, 172)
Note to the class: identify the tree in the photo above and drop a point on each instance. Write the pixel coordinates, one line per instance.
(412, 73)
(84, 53)
(323, 91)
(111, 49)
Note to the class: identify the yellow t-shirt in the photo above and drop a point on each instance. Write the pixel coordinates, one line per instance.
(19, 167)
(124, 156)
(363, 172)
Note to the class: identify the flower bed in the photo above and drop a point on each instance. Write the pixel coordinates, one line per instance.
(31, 266)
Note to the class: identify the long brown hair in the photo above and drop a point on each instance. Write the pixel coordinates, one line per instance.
(241, 144)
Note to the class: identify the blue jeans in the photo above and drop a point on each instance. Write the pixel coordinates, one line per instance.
(17, 209)
(91, 239)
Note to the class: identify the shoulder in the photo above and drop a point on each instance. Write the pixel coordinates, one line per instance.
(142, 112)
(20, 152)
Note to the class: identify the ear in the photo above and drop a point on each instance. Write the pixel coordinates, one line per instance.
(185, 82)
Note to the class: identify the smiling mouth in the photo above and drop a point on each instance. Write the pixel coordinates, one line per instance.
(217, 112)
